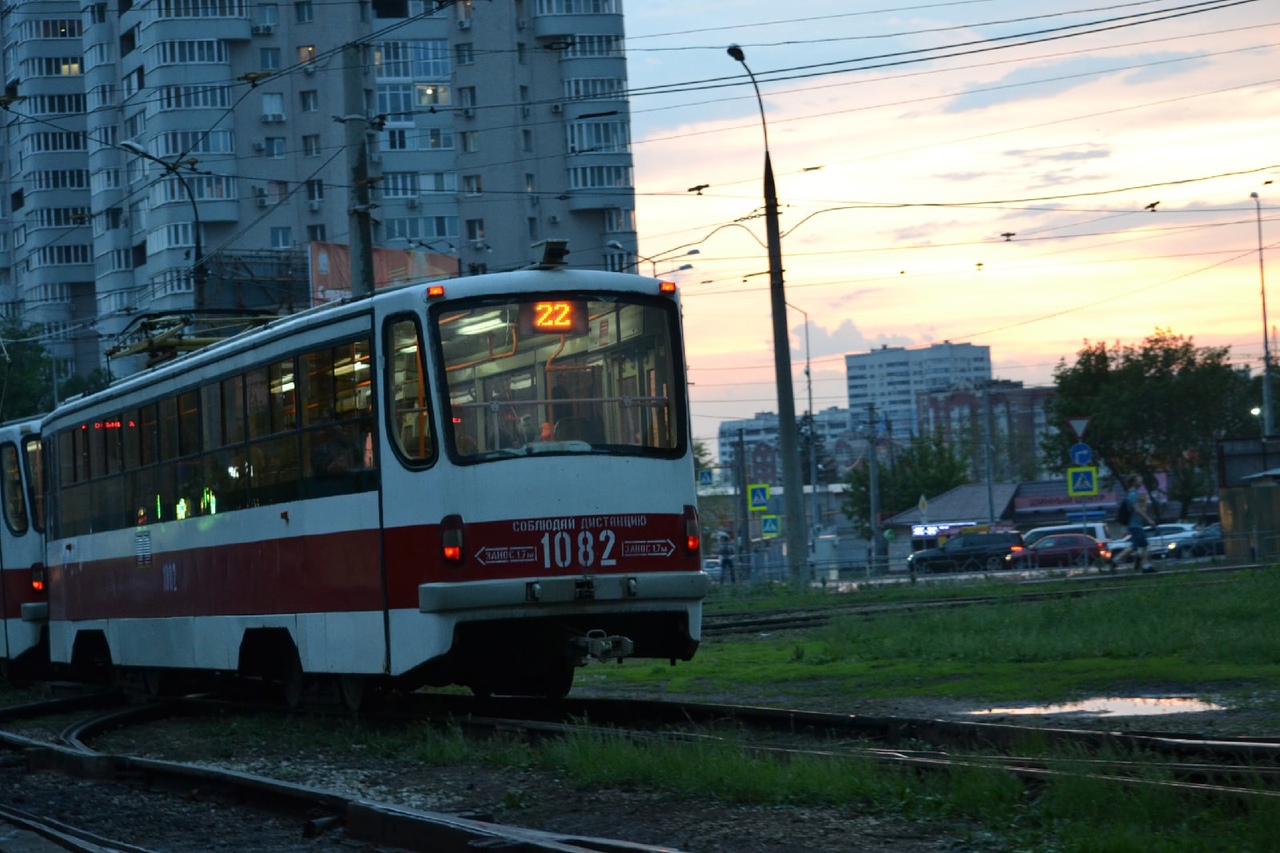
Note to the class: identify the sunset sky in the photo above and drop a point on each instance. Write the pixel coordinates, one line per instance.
(907, 139)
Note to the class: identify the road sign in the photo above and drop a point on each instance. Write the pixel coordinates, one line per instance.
(758, 497)
(1081, 453)
(706, 477)
(1082, 482)
(768, 526)
(1078, 426)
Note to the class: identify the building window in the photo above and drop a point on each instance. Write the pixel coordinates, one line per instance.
(526, 140)
(272, 105)
(475, 230)
(471, 184)
(399, 184)
(315, 233)
(306, 54)
(470, 141)
(466, 96)
(275, 147)
(430, 94)
(315, 190)
(280, 238)
(304, 12)
(269, 58)
(311, 145)
(465, 54)
(268, 13)
(310, 100)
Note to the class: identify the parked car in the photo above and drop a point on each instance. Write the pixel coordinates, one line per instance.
(967, 552)
(713, 568)
(1162, 542)
(1059, 549)
(1206, 542)
(1096, 529)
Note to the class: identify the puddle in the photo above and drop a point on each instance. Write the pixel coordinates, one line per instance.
(1112, 707)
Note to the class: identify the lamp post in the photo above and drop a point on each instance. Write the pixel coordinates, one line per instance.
(197, 266)
(813, 444)
(614, 244)
(1268, 412)
(793, 503)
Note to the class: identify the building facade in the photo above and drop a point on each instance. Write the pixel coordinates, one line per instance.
(166, 156)
(1008, 417)
(885, 385)
(758, 437)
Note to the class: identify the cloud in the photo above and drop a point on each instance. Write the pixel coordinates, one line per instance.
(1044, 81)
(843, 339)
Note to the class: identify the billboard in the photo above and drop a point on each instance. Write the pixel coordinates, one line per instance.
(330, 268)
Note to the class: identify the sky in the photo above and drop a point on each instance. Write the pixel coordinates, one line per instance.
(1027, 177)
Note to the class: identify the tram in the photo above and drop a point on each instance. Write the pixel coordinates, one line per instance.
(482, 481)
(22, 581)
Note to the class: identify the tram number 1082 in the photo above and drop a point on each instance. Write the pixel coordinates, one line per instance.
(558, 549)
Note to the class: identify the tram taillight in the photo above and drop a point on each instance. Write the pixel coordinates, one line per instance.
(37, 577)
(692, 533)
(451, 540)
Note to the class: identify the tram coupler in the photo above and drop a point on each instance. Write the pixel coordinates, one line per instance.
(599, 645)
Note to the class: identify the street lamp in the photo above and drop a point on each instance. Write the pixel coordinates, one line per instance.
(813, 444)
(793, 503)
(614, 244)
(197, 267)
(680, 268)
(1268, 412)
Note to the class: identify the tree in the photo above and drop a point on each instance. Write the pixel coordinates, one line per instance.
(1159, 407)
(828, 471)
(929, 466)
(26, 374)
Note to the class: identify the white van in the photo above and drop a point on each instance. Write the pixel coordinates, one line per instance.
(1096, 529)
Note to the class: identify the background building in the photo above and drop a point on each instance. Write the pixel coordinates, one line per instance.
(167, 156)
(888, 382)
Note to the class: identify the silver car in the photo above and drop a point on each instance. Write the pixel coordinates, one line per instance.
(1162, 541)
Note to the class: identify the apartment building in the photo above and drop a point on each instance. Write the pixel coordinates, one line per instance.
(183, 156)
(886, 383)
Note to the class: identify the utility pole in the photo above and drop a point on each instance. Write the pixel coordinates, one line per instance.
(873, 472)
(744, 529)
(986, 437)
(359, 209)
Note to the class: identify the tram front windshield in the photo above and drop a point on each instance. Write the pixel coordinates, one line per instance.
(568, 374)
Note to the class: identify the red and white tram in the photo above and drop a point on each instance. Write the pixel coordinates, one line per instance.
(477, 482)
(22, 594)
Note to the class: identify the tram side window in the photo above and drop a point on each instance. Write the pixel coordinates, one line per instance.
(73, 499)
(337, 414)
(35, 480)
(273, 452)
(15, 503)
(224, 473)
(410, 398)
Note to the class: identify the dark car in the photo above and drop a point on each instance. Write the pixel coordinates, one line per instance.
(1206, 542)
(967, 552)
(1059, 549)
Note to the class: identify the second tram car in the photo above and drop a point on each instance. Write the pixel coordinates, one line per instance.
(480, 482)
(22, 589)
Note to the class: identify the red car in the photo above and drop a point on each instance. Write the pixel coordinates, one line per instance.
(1059, 549)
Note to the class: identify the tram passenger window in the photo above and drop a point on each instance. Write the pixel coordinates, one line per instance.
(130, 440)
(15, 502)
(211, 415)
(271, 399)
(225, 478)
(35, 480)
(169, 428)
(188, 424)
(149, 434)
(233, 409)
(411, 426)
(274, 475)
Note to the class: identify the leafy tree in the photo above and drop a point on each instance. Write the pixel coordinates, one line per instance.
(95, 381)
(928, 466)
(828, 471)
(26, 374)
(702, 456)
(1157, 407)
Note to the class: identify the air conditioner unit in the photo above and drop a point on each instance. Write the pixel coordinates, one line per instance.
(557, 108)
(314, 205)
(309, 68)
(271, 118)
(263, 29)
(553, 219)
(468, 112)
(464, 24)
(259, 146)
(262, 201)
(477, 244)
(413, 202)
(259, 191)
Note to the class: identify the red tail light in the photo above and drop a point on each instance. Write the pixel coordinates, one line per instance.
(37, 577)
(692, 533)
(451, 539)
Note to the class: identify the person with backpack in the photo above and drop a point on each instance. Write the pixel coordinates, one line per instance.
(1131, 512)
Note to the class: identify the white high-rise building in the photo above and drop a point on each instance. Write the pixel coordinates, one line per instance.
(140, 136)
(890, 379)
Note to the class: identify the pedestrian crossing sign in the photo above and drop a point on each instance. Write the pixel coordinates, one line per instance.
(705, 477)
(1082, 482)
(758, 496)
(768, 526)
